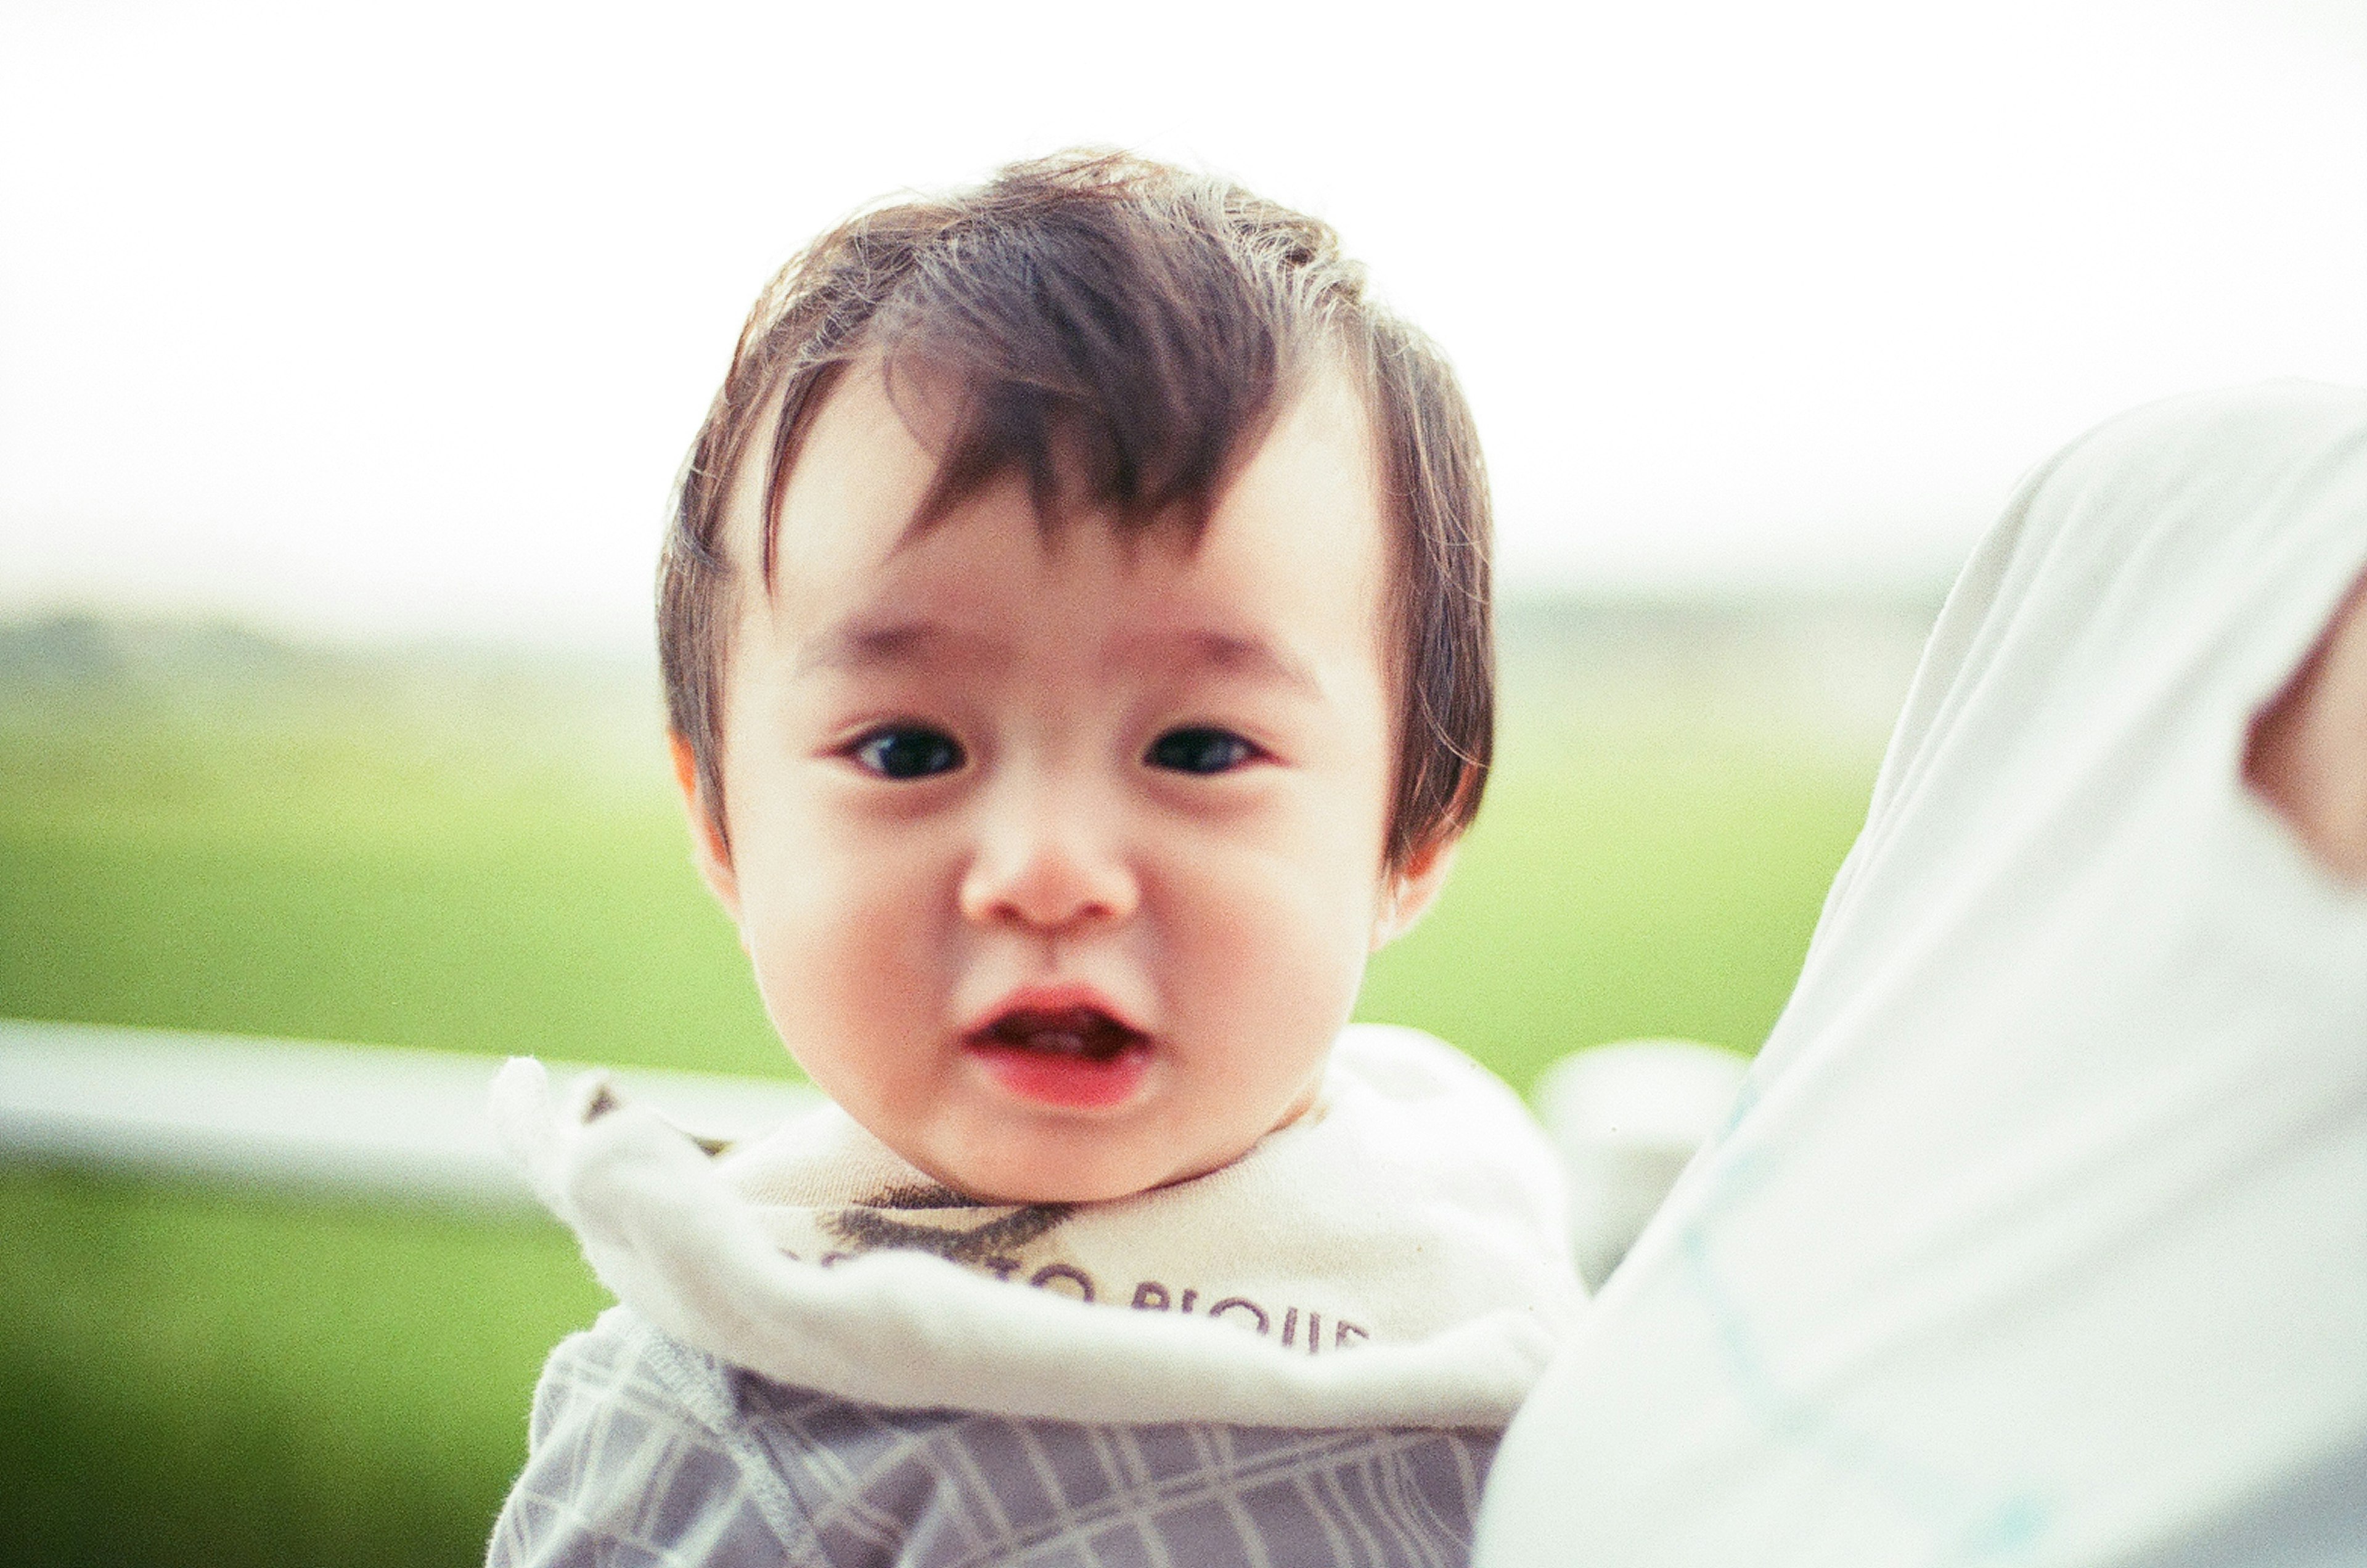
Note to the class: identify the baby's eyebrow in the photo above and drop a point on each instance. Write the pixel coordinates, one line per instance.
(1229, 653)
(868, 645)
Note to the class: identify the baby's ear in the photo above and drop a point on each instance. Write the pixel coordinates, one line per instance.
(708, 850)
(1406, 892)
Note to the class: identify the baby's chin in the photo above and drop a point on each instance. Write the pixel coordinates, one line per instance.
(1000, 1155)
(1024, 1187)
(1101, 1175)
(1109, 1180)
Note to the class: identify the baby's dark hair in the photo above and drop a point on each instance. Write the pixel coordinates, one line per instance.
(1122, 335)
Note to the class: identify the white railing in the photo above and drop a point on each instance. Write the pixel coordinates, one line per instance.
(369, 1119)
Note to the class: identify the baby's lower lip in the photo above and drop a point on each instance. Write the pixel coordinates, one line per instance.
(1081, 1062)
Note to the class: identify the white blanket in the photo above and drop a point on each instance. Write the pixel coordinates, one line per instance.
(1396, 1256)
(2041, 1236)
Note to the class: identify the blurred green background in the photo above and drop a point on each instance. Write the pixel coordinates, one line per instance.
(476, 852)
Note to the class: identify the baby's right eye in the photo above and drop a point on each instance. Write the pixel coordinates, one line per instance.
(907, 751)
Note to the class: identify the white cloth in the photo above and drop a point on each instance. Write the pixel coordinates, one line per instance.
(2040, 1235)
(1398, 1257)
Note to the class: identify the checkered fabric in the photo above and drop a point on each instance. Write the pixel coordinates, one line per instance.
(645, 1453)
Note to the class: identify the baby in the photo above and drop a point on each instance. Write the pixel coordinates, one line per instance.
(1075, 624)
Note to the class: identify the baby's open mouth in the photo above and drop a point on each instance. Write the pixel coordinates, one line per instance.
(1085, 1033)
(1063, 1058)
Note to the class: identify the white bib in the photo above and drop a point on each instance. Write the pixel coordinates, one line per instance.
(1398, 1255)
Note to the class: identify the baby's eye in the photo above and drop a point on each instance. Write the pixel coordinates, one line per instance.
(1199, 750)
(907, 751)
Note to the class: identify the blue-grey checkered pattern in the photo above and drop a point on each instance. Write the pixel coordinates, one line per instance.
(644, 1452)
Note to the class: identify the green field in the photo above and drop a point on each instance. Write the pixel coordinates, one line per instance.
(486, 859)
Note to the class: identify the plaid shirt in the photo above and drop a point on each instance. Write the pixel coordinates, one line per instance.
(644, 1452)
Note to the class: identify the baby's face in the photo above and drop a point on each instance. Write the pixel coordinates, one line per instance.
(1058, 858)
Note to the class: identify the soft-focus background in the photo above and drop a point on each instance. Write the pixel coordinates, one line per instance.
(346, 355)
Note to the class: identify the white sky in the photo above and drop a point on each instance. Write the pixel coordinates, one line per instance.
(396, 319)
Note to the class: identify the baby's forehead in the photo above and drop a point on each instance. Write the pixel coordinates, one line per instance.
(1291, 546)
(880, 459)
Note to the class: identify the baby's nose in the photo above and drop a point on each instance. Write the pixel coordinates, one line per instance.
(1050, 862)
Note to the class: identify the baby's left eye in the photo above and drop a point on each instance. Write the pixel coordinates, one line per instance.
(1199, 750)
(907, 751)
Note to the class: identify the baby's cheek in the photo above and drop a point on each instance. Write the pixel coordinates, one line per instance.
(839, 945)
(1289, 950)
